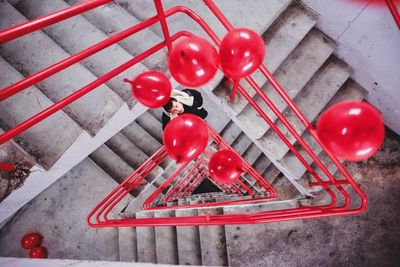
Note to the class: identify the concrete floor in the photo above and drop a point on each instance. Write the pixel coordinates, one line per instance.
(369, 239)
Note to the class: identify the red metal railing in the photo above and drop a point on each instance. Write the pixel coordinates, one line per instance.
(99, 217)
(394, 11)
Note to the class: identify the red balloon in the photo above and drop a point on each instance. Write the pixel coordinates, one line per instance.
(225, 166)
(241, 52)
(38, 253)
(31, 240)
(151, 88)
(352, 130)
(193, 61)
(373, 3)
(185, 137)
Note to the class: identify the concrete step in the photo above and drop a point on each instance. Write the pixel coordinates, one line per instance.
(112, 18)
(217, 118)
(166, 240)
(241, 143)
(58, 214)
(146, 240)
(238, 236)
(311, 100)
(113, 165)
(31, 54)
(280, 39)
(127, 241)
(136, 204)
(262, 14)
(143, 140)
(77, 34)
(130, 153)
(349, 91)
(230, 132)
(261, 164)
(47, 141)
(293, 75)
(189, 248)
(150, 125)
(212, 241)
(252, 153)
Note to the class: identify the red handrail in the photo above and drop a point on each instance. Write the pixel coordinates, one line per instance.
(47, 20)
(394, 11)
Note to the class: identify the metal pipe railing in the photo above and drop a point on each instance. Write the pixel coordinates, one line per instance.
(47, 20)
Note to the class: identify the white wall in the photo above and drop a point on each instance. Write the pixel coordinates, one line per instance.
(369, 41)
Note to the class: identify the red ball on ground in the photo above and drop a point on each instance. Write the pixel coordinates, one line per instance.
(31, 240)
(38, 253)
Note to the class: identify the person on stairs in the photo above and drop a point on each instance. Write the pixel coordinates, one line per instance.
(185, 101)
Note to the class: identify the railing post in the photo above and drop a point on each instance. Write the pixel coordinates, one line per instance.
(163, 22)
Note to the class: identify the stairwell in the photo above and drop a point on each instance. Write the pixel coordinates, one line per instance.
(299, 55)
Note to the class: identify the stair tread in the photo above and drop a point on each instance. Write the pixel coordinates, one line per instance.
(293, 75)
(77, 34)
(91, 111)
(166, 240)
(189, 249)
(146, 240)
(111, 163)
(130, 153)
(112, 18)
(280, 40)
(151, 125)
(127, 244)
(350, 90)
(212, 240)
(261, 11)
(44, 141)
(311, 100)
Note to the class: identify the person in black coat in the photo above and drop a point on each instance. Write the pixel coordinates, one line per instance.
(185, 101)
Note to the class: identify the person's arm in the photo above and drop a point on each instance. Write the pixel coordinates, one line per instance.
(198, 99)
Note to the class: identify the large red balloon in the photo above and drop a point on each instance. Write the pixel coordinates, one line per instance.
(151, 88)
(352, 130)
(225, 166)
(241, 52)
(38, 253)
(31, 240)
(193, 61)
(185, 137)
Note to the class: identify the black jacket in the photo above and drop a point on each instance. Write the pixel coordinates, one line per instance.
(194, 109)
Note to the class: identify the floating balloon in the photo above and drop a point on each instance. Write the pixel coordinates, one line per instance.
(151, 88)
(31, 240)
(352, 130)
(241, 52)
(38, 253)
(225, 166)
(185, 137)
(193, 61)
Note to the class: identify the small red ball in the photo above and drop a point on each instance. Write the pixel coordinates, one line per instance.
(38, 253)
(31, 240)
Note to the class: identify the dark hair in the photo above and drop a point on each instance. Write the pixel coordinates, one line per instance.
(168, 106)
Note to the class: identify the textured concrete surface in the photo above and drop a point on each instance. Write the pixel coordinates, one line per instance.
(59, 215)
(368, 239)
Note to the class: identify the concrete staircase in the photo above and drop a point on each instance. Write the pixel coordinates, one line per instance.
(300, 57)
